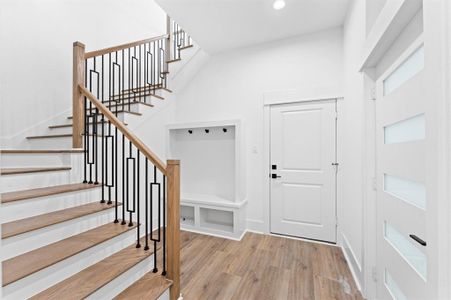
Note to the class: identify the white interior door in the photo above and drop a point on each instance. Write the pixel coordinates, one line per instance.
(303, 154)
(404, 184)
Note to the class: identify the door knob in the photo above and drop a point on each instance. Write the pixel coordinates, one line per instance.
(274, 176)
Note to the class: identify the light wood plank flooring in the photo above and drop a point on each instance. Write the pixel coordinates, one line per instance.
(263, 267)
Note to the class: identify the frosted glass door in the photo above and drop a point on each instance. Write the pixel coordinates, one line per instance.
(402, 176)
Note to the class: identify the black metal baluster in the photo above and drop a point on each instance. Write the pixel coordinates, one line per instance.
(153, 67)
(123, 180)
(114, 149)
(131, 211)
(138, 221)
(123, 140)
(140, 77)
(85, 149)
(146, 206)
(103, 141)
(174, 42)
(94, 131)
(130, 65)
(155, 268)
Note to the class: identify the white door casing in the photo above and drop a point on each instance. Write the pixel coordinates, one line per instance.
(303, 151)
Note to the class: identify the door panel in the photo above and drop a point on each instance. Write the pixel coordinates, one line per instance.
(303, 150)
(402, 191)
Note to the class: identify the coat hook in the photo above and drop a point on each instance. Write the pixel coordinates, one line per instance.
(190, 131)
(207, 130)
(224, 129)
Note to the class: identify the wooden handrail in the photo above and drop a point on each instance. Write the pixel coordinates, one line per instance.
(124, 130)
(123, 46)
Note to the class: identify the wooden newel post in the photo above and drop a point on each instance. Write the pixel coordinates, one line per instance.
(173, 227)
(77, 97)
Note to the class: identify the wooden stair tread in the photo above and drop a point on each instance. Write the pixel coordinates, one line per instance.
(49, 136)
(17, 227)
(129, 96)
(70, 125)
(45, 191)
(119, 111)
(12, 171)
(147, 86)
(31, 262)
(126, 104)
(89, 280)
(173, 60)
(40, 151)
(150, 286)
(186, 47)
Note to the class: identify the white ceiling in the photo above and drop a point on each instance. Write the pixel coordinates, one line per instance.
(219, 25)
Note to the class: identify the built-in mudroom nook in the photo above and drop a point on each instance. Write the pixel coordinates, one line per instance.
(213, 193)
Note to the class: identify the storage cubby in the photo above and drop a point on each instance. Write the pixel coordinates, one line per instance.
(216, 219)
(187, 215)
(211, 176)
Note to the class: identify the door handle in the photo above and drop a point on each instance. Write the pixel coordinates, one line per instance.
(417, 239)
(275, 176)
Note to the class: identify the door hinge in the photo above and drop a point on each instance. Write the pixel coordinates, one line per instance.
(374, 274)
(373, 94)
(374, 183)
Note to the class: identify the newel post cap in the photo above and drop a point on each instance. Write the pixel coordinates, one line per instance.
(173, 161)
(79, 44)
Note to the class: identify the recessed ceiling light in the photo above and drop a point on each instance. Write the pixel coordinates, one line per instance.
(278, 4)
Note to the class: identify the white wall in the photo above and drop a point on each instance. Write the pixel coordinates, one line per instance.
(351, 138)
(232, 85)
(36, 64)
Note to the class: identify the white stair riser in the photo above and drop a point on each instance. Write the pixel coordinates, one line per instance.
(17, 182)
(68, 130)
(39, 281)
(37, 206)
(25, 242)
(124, 280)
(51, 143)
(41, 159)
(64, 142)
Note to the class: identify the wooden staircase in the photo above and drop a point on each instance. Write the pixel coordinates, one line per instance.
(60, 238)
(37, 262)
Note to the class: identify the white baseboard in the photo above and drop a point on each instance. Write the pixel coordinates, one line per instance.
(214, 234)
(354, 265)
(257, 226)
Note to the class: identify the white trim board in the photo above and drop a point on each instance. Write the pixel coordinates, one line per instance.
(394, 17)
(353, 264)
(302, 95)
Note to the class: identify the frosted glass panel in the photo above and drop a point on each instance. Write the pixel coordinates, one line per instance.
(393, 287)
(409, 191)
(411, 66)
(412, 129)
(416, 259)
